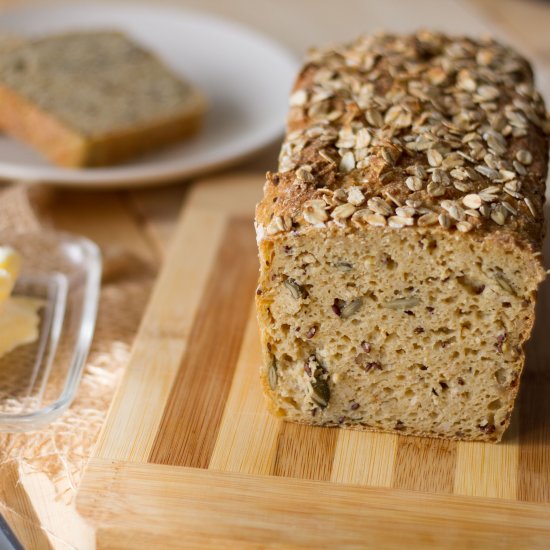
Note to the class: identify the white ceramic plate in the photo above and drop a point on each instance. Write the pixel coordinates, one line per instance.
(245, 77)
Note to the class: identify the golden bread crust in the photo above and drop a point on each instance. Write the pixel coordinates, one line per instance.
(427, 123)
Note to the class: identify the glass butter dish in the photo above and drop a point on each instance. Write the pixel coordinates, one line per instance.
(39, 380)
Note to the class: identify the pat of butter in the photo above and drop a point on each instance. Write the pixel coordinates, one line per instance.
(10, 265)
(19, 321)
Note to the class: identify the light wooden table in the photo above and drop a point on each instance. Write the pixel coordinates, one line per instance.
(142, 221)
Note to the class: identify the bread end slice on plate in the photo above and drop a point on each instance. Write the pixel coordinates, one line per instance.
(90, 99)
(400, 241)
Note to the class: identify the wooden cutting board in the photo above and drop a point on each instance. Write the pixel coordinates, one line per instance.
(190, 458)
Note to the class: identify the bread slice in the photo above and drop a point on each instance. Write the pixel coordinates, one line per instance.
(400, 241)
(93, 98)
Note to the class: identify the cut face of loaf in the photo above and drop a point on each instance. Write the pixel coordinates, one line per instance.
(416, 331)
(400, 239)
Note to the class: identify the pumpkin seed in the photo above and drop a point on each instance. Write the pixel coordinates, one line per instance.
(320, 392)
(503, 283)
(272, 374)
(296, 290)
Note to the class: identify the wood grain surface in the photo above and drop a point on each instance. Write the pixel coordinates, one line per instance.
(192, 416)
(155, 506)
(211, 426)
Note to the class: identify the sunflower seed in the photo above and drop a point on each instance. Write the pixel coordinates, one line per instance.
(465, 81)
(346, 139)
(276, 225)
(435, 189)
(507, 175)
(376, 220)
(427, 219)
(516, 119)
(472, 201)
(417, 170)
(456, 212)
(519, 168)
(314, 211)
(488, 194)
(444, 221)
(405, 211)
(485, 57)
(491, 161)
(460, 174)
(514, 194)
(510, 208)
(305, 175)
(404, 120)
(488, 93)
(380, 206)
(347, 163)
(387, 156)
(355, 196)
(531, 206)
(496, 142)
(272, 374)
(524, 156)
(485, 210)
(434, 157)
(464, 227)
(466, 156)
(340, 195)
(392, 114)
(462, 186)
(402, 303)
(499, 214)
(374, 118)
(413, 183)
(298, 98)
(343, 211)
(362, 139)
(397, 222)
(487, 172)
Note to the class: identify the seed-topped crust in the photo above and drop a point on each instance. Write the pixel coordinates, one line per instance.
(415, 130)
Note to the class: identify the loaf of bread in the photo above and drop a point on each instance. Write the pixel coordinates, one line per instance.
(93, 98)
(400, 240)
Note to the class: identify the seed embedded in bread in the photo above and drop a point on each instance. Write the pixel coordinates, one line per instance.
(426, 158)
